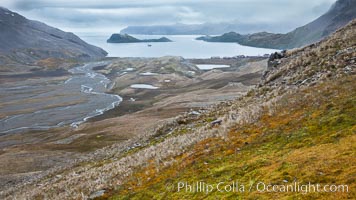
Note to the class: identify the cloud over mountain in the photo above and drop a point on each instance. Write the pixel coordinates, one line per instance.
(113, 15)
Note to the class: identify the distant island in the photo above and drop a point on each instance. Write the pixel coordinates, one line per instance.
(125, 38)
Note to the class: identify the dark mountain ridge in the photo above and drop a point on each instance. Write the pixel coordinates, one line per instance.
(342, 12)
(24, 40)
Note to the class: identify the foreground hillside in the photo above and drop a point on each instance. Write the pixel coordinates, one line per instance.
(298, 126)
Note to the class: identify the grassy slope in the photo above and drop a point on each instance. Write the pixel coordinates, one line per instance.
(311, 141)
(306, 135)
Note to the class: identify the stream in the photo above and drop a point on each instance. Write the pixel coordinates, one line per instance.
(42, 104)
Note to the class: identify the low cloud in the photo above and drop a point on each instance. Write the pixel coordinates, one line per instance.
(109, 15)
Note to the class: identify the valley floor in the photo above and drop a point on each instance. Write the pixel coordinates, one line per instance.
(26, 156)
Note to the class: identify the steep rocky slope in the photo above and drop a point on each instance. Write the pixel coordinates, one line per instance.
(24, 41)
(342, 12)
(298, 125)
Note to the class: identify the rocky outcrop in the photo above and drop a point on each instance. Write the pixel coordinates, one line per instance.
(273, 59)
(333, 56)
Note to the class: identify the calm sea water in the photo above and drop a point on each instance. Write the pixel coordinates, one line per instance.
(182, 45)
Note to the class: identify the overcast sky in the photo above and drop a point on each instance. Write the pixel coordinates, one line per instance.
(113, 15)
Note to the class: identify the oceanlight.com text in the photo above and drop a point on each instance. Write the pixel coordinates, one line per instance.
(238, 187)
